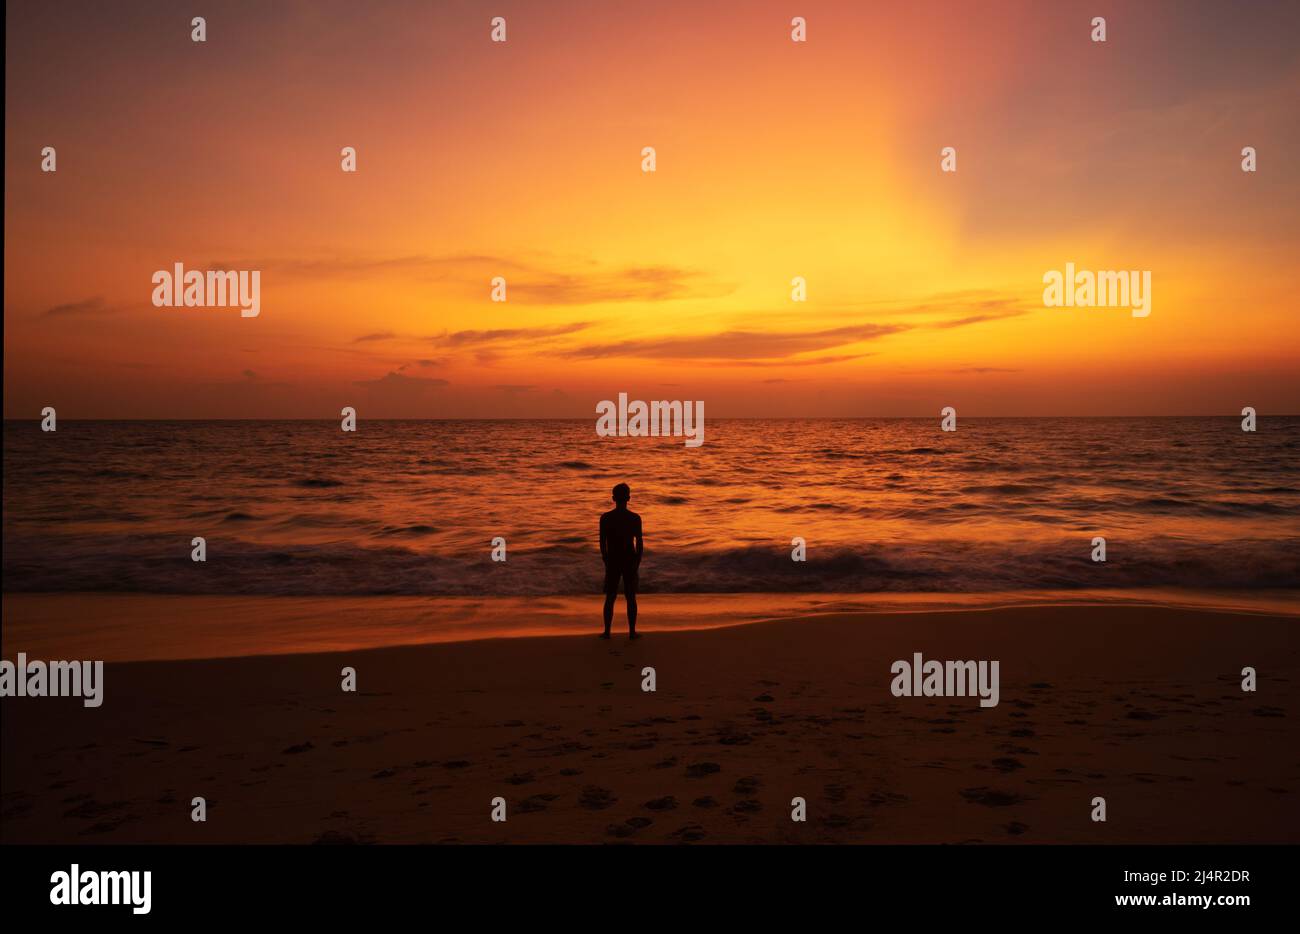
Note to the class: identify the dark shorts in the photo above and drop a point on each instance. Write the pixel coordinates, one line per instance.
(629, 574)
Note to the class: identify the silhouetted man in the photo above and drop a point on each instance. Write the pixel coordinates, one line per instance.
(621, 547)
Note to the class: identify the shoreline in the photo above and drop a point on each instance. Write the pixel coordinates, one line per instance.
(123, 627)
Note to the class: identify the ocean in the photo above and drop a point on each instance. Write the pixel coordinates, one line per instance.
(883, 505)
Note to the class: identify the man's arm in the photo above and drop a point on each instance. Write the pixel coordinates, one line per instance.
(604, 544)
(640, 542)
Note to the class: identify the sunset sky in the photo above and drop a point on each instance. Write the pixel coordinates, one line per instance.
(775, 159)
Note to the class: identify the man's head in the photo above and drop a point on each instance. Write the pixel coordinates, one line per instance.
(622, 493)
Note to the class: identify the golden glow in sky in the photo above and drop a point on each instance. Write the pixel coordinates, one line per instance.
(775, 159)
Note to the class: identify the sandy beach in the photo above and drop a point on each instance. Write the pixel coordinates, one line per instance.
(1140, 705)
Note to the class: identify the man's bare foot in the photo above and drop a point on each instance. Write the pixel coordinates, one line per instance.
(634, 635)
(604, 635)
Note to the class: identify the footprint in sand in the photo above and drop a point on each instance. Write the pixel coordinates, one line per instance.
(1007, 764)
(301, 747)
(595, 798)
(991, 797)
(1140, 714)
(730, 736)
(690, 833)
(90, 809)
(666, 803)
(747, 785)
(107, 826)
(701, 769)
(534, 803)
(705, 802)
(13, 811)
(628, 827)
(1017, 750)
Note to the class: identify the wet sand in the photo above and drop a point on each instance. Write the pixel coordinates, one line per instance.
(1140, 705)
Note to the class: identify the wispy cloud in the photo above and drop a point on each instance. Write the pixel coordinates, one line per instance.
(503, 335)
(739, 345)
(627, 284)
(748, 347)
(393, 380)
(981, 318)
(534, 281)
(825, 360)
(477, 338)
(970, 306)
(89, 306)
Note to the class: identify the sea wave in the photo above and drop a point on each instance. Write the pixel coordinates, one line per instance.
(150, 565)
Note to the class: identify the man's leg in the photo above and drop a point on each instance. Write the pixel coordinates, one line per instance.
(631, 580)
(611, 594)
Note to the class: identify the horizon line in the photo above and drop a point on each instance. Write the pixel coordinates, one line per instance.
(576, 418)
